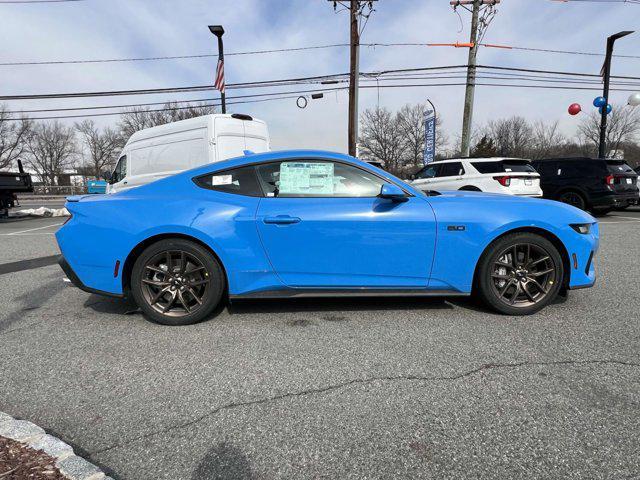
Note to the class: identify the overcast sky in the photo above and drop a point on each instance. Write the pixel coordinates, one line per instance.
(93, 29)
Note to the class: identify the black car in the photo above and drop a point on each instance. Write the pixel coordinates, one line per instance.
(588, 183)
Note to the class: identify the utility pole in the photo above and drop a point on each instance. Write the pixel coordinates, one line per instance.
(354, 74)
(357, 9)
(606, 76)
(467, 116)
(479, 25)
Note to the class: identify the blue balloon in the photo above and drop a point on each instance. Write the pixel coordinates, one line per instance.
(599, 102)
(609, 108)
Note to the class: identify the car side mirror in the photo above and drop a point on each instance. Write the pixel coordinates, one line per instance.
(412, 176)
(106, 175)
(392, 192)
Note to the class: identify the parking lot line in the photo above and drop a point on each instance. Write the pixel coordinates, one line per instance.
(31, 230)
(629, 219)
(28, 264)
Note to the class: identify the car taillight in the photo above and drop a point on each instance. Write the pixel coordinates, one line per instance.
(609, 179)
(67, 220)
(504, 181)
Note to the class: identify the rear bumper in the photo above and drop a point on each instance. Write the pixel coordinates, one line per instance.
(75, 280)
(615, 200)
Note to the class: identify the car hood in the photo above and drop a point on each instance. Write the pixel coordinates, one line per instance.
(501, 202)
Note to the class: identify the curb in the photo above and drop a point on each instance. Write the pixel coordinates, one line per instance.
(69, 464)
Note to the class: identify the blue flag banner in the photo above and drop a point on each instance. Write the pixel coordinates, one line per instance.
(429, 135)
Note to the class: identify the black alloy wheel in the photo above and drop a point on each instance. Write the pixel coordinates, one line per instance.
(177, 282)
(574, 199)
(520, 274)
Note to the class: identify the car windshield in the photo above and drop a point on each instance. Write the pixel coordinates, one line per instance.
(617, 166)
(501, 166)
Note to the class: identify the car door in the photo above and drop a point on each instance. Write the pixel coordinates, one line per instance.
(449, 176)
(425, 177)
(323, 225)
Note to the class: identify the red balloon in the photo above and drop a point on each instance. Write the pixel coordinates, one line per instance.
(574, 109)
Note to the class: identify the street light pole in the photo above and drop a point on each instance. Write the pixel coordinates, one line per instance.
(606, 75)
(218, 31)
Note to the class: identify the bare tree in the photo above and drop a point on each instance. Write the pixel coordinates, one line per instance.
(511, 136)
(412, 124)
(623, 125)
(382, 139)
(13, 137)
(101, 146)
(547, 141)
(139, 118)
(51, 150)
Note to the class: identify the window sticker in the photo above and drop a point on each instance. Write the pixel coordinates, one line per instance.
(221, 180)
(306, 178)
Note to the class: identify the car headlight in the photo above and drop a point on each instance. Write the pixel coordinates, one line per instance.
(583, 228)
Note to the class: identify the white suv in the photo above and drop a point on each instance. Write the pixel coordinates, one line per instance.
(512, 176)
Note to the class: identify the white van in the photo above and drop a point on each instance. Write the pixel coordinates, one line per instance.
(157, 152)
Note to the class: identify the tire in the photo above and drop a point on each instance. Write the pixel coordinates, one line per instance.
(497, 268)
(470, 188)
(188, 296)
(573, 198)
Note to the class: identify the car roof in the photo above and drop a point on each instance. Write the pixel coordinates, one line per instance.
(271, 156)
(274, 156)
(570, 159)
(481, 159)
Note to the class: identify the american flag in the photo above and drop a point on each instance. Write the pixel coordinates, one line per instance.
(219, 83)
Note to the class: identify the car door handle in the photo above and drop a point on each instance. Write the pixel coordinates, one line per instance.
(281, 220)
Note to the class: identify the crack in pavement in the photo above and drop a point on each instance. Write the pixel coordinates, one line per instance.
(362, 381)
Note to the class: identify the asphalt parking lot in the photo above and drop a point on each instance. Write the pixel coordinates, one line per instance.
(355, 388)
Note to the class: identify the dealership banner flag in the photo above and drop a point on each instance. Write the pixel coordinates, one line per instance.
(429, 135)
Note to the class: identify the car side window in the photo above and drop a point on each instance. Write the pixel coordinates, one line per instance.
(428, 172)
(240, 181)
(452, 169)
(120, 171)
(317, 178)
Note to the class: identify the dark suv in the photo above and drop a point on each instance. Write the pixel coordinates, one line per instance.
(588, 183)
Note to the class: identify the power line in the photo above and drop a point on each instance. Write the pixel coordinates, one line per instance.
(173, 57)
(327, 79)
(148, 91)
(285, 95)
(295, 49)
(192, 101)
(513, 78)
(38, 1)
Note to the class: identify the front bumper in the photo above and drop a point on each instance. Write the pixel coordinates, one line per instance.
(582, 250)
(71, 275)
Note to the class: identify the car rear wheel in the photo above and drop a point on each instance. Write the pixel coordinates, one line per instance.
(573, 198)
(520, 274)
(177, 282)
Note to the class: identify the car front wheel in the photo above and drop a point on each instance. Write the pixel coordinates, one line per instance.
(177, 282)
(520, 274)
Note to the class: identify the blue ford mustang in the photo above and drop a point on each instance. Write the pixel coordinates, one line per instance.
(315, 223)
